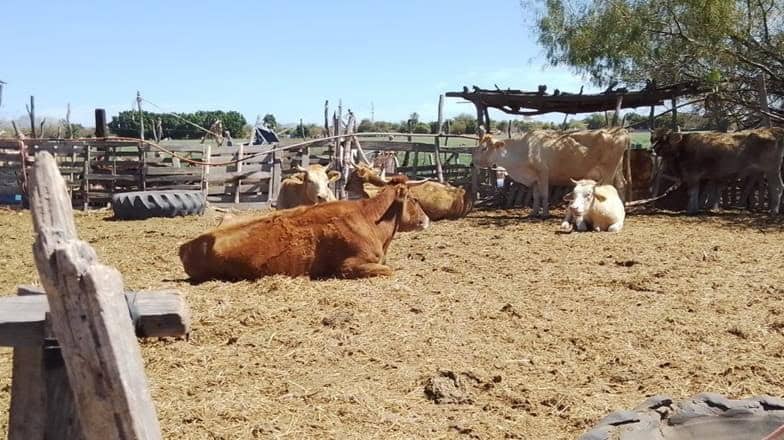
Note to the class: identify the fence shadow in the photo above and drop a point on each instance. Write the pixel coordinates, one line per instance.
(726, 218)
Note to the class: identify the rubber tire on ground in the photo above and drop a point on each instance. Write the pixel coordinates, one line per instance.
(705, 416)
(139, 205)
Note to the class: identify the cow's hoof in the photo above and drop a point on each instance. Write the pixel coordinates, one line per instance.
(566, 227)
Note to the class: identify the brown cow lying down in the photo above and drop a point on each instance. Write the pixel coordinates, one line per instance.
(438, 200)
(347, 239)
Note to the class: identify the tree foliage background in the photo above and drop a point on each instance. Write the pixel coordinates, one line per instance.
(728, 44)
(127, 124)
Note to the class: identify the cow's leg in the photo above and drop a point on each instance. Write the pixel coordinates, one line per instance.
(536, 204)
(775, 188)
(694, 197)
(580, 223)
(715, 196)
(361, 268)
(566, 224)
(544, 190)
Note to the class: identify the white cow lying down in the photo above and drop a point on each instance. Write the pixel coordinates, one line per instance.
(596, 206)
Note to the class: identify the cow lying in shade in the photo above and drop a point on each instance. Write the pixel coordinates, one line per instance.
(595, 207)
(438, 200)
(308, 187)
(346, 239)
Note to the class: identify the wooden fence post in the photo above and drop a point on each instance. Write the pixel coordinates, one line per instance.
(90, 319)
(86, 177)
(142, 153)
(437, 144)
(31, 114)
(274, 187)
(27, 416)
(100, 122)
(205, 170)
(62, 420)
(238, 182)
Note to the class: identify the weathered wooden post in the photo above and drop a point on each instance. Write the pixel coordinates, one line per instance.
(437, 143)
(276, 177)
(89, 317)
(31, 114)
(142, 147)
(238, 181)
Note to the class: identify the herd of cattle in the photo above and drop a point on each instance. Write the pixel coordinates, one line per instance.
(313, 234)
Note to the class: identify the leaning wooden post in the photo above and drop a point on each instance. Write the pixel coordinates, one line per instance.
(437, 143)
(276, 178)
(618, 104)
(90, 319)
(674, 113)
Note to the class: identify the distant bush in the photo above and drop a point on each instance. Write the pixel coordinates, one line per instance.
(127, 124)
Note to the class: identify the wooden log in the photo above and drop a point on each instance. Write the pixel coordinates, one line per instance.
(157, 313)
(437, 140)
(205, 175)
(89, 319)
(27, 417)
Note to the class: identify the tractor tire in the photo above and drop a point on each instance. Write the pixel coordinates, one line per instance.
(705, 416)
(139, 205)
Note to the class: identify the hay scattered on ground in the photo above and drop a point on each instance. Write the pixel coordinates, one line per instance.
(546, 332)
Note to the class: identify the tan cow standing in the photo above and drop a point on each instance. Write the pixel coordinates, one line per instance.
(308, 187)
(545, 157)
(697, 157)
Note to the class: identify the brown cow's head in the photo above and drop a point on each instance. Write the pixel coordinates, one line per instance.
(485, 153)
(358, 177)
(316, 179)
(414, 217)
(665, 141)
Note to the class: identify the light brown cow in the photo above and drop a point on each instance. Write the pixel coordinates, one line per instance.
(699, 157)
(308, 187)
(438, 200)
(347, 239)
(545, 157)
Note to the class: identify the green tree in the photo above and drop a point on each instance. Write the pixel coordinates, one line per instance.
(726, 44)
(365, 126)
(422, 128)
(269, 120)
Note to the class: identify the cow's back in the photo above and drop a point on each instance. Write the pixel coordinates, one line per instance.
(440, 201)
(720, 155)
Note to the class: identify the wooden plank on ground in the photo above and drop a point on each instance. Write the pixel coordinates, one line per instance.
(89, 319)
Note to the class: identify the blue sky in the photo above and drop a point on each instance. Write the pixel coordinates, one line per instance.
(261, 57)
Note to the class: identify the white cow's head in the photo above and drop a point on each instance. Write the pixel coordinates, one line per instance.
(582, 196)
(487, 151)
(316, 180)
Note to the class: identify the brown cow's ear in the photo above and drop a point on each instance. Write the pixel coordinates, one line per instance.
(333, 175)
(599, 197)
(675, 138)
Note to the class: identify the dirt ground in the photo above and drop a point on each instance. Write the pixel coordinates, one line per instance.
(546, 332)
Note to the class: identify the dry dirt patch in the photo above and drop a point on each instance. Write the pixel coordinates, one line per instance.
(546, 332)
